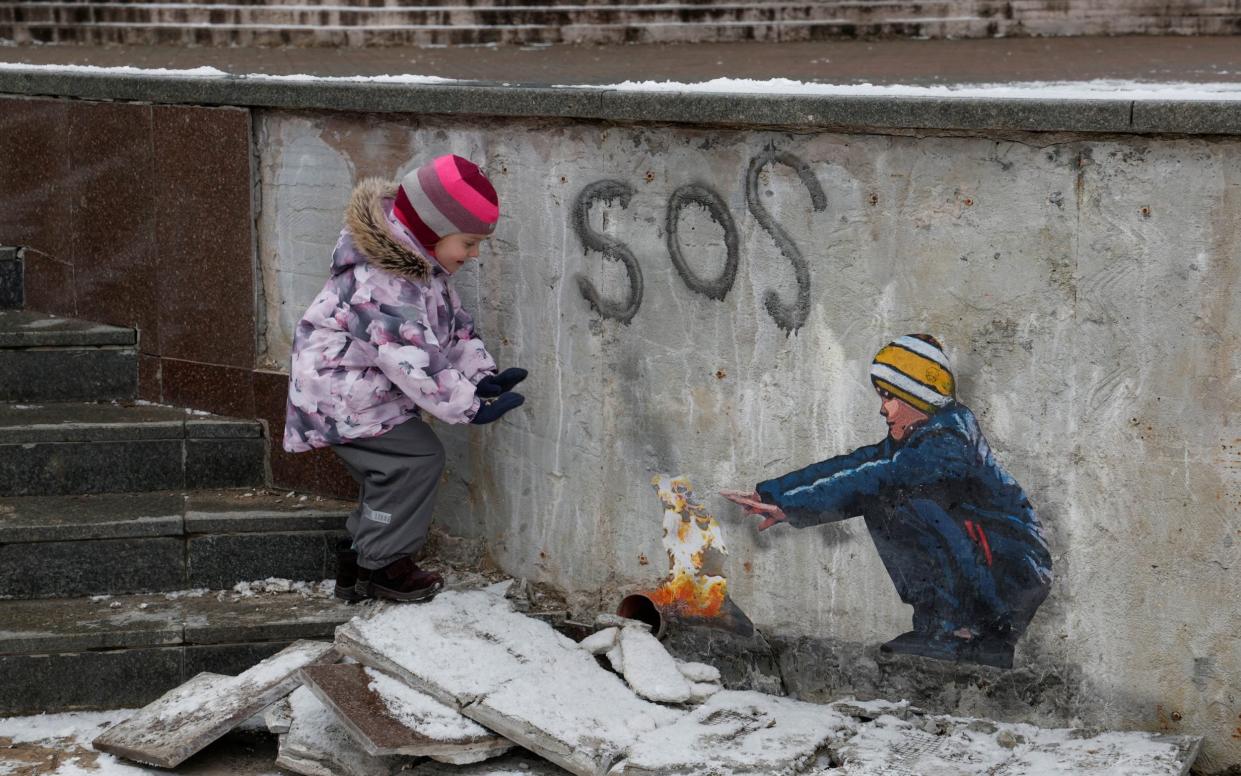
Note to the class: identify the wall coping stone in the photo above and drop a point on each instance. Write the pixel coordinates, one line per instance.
(1185, 117)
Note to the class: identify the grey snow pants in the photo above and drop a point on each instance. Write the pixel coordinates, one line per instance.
(398, 474)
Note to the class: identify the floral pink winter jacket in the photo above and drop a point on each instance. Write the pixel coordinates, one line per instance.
(385, 338)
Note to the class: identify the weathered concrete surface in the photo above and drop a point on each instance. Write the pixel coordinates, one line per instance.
(385, 717)
(740, 733)
(511, 673)
(1086, 288)
(186, 719)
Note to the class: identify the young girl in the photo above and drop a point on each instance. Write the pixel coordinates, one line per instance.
(385, 340)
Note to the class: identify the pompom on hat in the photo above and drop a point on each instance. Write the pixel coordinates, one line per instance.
(447, 195)
(915, 370)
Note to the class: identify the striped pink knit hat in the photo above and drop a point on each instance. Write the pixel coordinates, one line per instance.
(445, 196)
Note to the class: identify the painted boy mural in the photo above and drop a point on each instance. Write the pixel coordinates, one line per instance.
(955, 531)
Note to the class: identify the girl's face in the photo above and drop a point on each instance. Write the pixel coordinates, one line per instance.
(455, 250)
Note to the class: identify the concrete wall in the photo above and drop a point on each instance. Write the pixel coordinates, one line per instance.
(1085, 288)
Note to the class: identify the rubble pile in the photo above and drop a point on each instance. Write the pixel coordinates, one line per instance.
(466, 685)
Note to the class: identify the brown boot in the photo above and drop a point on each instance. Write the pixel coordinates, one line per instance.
(402, 580)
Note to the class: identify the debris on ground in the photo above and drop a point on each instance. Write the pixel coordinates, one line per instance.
(466, 677)
(184, 720)
(388, 717)
(317, 743)
(649, 669)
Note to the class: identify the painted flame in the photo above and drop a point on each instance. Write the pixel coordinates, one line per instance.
(691, 538)
(692, 597)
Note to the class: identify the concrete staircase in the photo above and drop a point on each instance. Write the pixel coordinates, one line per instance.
(535, 22)
(124, 528)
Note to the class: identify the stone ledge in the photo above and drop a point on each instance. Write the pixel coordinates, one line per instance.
(853, 112)
(164, 513)
(104, 422)
(28, 329)
(70, 625)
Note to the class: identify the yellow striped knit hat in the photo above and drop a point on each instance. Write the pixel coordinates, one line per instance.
(914, 369)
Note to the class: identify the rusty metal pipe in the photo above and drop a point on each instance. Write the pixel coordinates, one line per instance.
(641, 607)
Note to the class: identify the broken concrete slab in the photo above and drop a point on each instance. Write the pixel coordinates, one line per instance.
(512, 765)
(649, 669)
(601, 642)
(698, 672)
(387, 717)
(700, 691)
(318, 745)
(954, 746)
(740, 733)
(616, 659)
(511, 673)
(278, 717)
(186, 719)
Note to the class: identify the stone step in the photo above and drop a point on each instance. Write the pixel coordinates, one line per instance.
(12, 284)
(80, 448)
(460, 22)
(125, 651)
(48, 358)
(64, 546)
(100, 33)
(431, 17)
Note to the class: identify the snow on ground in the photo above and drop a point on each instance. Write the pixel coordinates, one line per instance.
(33, 744)
(276, 585)
(1097, 89)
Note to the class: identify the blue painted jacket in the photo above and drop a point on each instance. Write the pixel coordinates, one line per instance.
(945, 460)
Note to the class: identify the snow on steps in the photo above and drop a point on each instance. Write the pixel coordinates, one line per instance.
(105, 652)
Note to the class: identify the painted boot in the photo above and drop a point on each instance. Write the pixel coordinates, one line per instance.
(402, 580)
(347, 572)
(934, 646)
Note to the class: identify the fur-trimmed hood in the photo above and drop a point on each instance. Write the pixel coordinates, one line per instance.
(368, 224)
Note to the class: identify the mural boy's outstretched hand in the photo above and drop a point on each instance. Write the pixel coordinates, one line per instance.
(754, 505)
